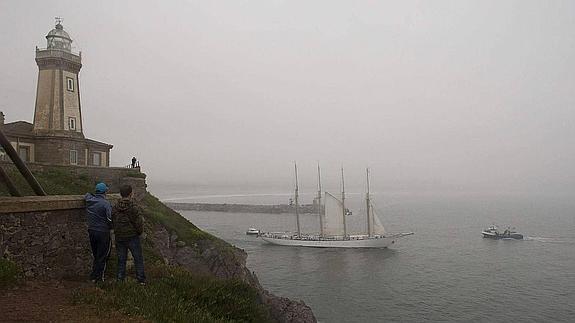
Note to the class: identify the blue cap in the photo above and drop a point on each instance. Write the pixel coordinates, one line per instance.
(101, 188)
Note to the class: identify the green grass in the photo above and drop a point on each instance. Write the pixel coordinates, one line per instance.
(176, 295)
(63, 182)
(10, 273)
(54, 181)
(156, 212)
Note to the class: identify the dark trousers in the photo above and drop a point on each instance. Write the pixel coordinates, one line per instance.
(132, 244)
(101, 244)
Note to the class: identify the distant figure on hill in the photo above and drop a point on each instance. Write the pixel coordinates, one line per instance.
(134, 162)
(99, 214)
(128, 226)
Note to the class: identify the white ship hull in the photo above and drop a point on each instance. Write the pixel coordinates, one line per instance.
(353, 242)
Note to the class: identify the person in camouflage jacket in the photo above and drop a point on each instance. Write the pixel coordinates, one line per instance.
(128, 226)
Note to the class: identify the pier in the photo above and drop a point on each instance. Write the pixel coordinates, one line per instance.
(242, 208)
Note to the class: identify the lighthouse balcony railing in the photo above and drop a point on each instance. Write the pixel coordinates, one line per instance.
(58, 53)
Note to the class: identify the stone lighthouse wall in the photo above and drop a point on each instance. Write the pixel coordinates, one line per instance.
(58, 93)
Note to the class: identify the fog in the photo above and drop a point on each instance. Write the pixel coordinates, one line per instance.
(432, 95)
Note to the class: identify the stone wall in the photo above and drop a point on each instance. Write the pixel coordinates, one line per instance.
(46, 236)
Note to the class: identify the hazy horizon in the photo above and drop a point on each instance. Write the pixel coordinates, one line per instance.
(454, 95)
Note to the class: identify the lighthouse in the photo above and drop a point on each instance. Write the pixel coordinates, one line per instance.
(56, 136)
(58, 110)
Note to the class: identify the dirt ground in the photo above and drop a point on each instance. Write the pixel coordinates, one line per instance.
(51, 302)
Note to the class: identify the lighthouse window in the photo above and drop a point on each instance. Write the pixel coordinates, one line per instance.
(70, 84)
(24, 153)
(97, 159)
(72, 123)
(73, 157)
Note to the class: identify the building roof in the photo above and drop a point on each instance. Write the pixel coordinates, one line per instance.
(19, 128)
(26, 129)
(57, 38)
(59, 32)
(98, 143)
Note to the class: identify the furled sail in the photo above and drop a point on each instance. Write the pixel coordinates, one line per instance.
(333, 216)
(378, 228)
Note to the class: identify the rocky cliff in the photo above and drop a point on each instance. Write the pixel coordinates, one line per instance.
(207, 258)
(46, 237)
(215, 257)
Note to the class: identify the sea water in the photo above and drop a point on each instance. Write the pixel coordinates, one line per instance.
(445, 272)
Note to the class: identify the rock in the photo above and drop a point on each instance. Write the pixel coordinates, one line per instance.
(285, 310)
(180, 244)
(207, 258)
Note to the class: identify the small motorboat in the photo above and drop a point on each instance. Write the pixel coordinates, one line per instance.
(253, 232)
(493, 233)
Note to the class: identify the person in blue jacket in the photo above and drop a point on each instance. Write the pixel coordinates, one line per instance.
(99, 214)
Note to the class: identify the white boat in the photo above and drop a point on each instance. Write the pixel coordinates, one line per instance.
(333, 225)
(352, 241)
(493, 233)
(252, 231)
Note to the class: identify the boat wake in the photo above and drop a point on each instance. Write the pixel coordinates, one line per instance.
(550, 240)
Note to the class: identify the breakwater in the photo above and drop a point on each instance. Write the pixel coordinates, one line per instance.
(242, 208)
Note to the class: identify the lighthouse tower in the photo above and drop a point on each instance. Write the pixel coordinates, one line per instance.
(58, 111)
(56, 137)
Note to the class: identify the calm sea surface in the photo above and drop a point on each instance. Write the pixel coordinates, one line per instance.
(445, 272)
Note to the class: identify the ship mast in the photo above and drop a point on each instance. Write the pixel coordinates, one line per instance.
(343, 204)
(297, 202)
(368, 206)
(319, 201)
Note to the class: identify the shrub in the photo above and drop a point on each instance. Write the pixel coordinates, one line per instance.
(10, 273)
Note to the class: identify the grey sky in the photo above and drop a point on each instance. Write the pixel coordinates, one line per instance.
(431, 94)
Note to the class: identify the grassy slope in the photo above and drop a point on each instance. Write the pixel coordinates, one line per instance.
(56, 181)
(176, 295)
(172, 294)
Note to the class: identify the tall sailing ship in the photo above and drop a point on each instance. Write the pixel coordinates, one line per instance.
(333, 226)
